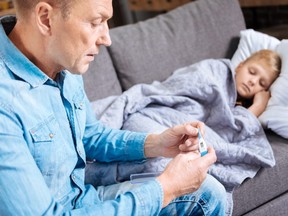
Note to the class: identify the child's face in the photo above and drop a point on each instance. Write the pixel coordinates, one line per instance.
(252, 77)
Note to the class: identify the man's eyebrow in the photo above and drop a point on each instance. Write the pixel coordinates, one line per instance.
(107, 16)
(104, 16)
(105, 13)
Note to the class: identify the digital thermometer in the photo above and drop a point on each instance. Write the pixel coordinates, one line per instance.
(202, 144)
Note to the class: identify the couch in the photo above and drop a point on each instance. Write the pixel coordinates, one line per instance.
(152, 49)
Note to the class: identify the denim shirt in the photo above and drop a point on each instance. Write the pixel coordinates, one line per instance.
(47, 130)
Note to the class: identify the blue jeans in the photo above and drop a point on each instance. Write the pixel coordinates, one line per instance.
(209, 199)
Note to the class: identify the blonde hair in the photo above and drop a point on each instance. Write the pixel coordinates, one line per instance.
(269, 57)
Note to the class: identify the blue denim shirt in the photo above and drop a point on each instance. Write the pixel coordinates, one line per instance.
(47, 130)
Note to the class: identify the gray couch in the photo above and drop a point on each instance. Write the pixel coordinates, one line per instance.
(153, 49)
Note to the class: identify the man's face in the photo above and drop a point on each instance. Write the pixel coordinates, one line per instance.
(75, 40)
(253, 77)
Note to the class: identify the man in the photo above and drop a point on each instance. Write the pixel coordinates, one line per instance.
(47, 128)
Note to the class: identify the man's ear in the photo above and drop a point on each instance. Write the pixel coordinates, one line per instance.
(43, 12)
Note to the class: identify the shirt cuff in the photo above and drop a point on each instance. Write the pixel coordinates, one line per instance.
(150, 196)
(135, 145)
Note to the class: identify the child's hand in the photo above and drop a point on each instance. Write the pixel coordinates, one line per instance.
(261, 98)
(260, 102)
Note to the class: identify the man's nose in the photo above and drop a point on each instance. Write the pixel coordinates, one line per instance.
(104, 39)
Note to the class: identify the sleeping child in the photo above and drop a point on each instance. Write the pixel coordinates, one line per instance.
(253, 77)
(206, 91)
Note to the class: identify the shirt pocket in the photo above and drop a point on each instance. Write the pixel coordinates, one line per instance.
(44, 131)
(45, 136)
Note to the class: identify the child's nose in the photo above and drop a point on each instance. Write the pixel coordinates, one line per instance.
(251, 83)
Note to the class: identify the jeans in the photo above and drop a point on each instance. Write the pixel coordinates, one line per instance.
(209, 199)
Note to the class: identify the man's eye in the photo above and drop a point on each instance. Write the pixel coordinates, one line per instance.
(94, 24)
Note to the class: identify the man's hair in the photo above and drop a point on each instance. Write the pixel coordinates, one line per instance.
(269, 57)
(26, 6)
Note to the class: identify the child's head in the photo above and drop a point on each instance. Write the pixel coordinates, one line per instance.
(257, 73)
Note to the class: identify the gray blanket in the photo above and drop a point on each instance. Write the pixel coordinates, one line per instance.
(203, 91)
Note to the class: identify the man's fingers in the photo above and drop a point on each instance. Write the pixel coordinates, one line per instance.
(207, 160)
(189, 145)
(189, 128)
(210, 157)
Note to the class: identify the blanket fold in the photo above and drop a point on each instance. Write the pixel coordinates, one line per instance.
(203, 91)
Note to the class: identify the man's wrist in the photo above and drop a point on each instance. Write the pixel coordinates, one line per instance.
(167, 195)
(150, 146)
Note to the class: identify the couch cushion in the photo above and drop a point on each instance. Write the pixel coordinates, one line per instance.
(153, 49)
(277, 206)
(101, 80)
(268, 183)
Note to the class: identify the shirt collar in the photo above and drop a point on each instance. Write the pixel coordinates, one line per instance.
(19, 64)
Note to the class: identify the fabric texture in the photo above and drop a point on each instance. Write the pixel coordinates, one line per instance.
(249, 196)
(203, 91)
(101, 79)
(198, 203)
(176, 39)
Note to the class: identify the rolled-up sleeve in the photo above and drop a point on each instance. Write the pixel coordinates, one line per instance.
(106, 144)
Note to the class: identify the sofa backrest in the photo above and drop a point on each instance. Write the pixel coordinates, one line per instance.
(152, 49)
(101, 79)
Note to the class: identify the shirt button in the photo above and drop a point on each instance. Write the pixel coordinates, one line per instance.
(51, 135)
(80, 152)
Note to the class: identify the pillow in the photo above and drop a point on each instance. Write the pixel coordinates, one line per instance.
(250, 42)
(275, 115)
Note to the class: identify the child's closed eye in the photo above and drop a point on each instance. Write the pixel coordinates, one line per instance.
(252, 71)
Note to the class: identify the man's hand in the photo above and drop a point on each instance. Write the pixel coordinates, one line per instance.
(185, 174)
(171, 142)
